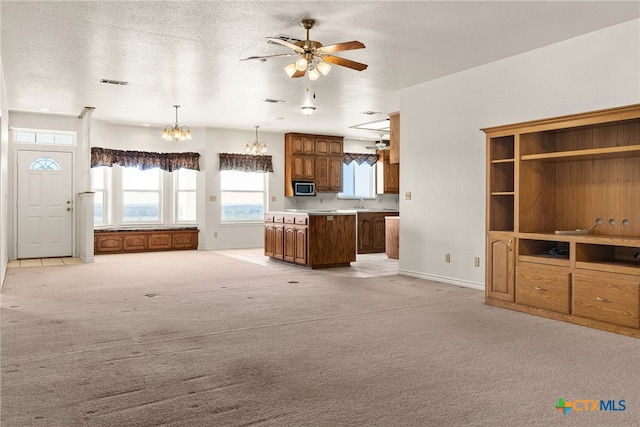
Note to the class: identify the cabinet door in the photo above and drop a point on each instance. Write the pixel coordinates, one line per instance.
(278, 241)
(303, 167)
(501, 271)
(322, 173)
(269, 240)
(365, 234)
(379, 237)
(322, 146)
(302, 145)
(335, 173)
(301, 245)
(289, 243)
(335, 147)
(394, 138)
(134, 242)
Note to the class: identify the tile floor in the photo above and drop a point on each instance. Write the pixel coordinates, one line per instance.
(40, 262)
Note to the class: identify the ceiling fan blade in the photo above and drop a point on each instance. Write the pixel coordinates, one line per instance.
(286, 44)
(338, 47)
(345, 62)
(264, 58)
(298, 73)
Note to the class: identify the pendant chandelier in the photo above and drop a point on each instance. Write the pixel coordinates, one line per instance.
(176, 132)
(256, 147)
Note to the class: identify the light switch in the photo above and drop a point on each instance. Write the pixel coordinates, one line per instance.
(407, 195)
(212, 198)
(273, 198)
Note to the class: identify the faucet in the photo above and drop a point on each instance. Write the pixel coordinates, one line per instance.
(360, 204)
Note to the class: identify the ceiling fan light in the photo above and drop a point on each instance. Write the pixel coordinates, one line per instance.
(301, 64)
(313, 74)
(307, 110)
(290, 69)
(324, 68)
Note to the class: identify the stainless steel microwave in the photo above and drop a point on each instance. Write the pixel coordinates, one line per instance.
(304, 188)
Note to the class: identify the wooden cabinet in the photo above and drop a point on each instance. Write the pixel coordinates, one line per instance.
(567, 190)
(392, 234)
(387, 174)
(394, 138)
(501, 268)
(139, 240)
(372, 231)
(315, 158)
(315, 241)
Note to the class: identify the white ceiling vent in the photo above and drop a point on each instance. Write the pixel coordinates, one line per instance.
(273, 101)
(114, 82)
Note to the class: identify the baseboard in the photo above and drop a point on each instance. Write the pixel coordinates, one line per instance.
(449, 280)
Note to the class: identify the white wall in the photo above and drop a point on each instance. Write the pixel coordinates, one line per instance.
(442, 150)
(4, 178)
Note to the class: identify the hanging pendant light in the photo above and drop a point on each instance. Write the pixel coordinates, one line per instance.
(256, 147)
(176, 132)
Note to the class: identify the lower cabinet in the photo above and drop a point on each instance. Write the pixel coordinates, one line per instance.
(122, 241)
(372, 231)
(501, 268)
(548, 289)
(287, 242)
(610, 298)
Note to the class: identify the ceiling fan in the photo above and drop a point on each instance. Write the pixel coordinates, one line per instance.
(379, 145)
(313, 56)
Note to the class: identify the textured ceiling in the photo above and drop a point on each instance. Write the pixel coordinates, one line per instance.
(54, 55)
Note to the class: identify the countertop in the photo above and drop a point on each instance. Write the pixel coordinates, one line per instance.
(339, 211)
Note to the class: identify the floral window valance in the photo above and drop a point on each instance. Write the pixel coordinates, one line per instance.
(245, 163)
(144, 160)
(359, 158)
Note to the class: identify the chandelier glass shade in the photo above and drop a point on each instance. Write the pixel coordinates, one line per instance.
(256, 147)
(176, 132)
(311, 67)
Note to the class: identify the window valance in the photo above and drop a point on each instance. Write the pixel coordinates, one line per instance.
(144, 160)
(245, 163)
(359, 158)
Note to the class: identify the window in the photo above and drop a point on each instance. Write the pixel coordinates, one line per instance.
(358, 181)
(45, 163)
(101, 180)
(185, 195)
(141, 195)
(242, 196)
(45, 137)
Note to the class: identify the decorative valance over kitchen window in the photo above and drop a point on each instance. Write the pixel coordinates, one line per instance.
(359, 158)
(144, 160)
(245, 163)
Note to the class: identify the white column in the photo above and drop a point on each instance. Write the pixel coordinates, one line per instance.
(85, 228)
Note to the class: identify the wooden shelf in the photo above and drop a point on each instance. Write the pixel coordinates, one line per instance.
(503, 161)
(587, 154)
(502, 193)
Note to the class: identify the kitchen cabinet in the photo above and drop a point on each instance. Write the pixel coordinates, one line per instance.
(115, 241)
(387, 174)
(372, 231)
(318, 240)
(392, 234)
(561, 206)
(315, 158)
(394, 138)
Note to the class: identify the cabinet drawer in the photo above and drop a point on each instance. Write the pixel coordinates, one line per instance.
(278, 218)
(289, 219)
(268, 218)
(609, 298)
(302, 220)
(543, 288)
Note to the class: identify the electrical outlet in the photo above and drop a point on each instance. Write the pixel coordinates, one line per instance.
(476, 262)
(407, 195)
(447, 257)
(212, 198)
(273, 198)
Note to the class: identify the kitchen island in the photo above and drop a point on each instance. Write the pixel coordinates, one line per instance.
(313, 238)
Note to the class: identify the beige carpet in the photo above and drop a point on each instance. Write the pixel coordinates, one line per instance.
(201, 339)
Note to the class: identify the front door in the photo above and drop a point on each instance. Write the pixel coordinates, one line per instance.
(44, 204)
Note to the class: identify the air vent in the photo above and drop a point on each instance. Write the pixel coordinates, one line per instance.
(114, 82)
(273, 101)
(370, 113)
(285, 38)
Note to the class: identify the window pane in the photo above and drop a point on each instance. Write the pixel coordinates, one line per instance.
(186, 206)
(242, 206)
(45, 138)
(136, 179)
(362, 180)
(63, 139)
(140, 206)
(97, 177)
(26, 136)
(186, 179)
(347, 179)
(98, 208)
(246, 181)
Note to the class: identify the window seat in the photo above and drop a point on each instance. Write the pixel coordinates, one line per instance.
(144, 239)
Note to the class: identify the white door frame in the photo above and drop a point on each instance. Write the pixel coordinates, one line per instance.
(43, 148)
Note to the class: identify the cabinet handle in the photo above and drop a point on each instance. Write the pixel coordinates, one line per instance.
(539, 289)
(510, 246)
(602, 299)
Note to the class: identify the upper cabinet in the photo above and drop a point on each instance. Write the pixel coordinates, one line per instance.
(394, 138)
(315, 158)
(387, 174)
